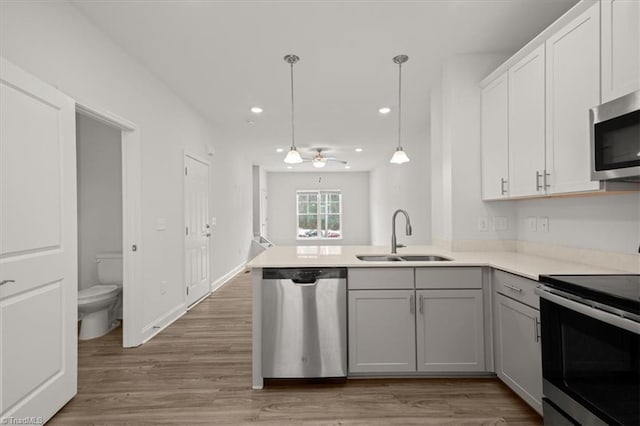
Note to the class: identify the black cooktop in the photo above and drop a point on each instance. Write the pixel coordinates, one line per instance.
(618, 291)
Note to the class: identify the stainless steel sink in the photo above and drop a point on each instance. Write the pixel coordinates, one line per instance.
(423, 258)
(405, 258)
(376, 258)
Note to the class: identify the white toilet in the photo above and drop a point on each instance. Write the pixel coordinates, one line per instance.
(96, 303)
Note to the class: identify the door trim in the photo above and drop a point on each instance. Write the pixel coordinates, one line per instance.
(200, 159)
(132, 333)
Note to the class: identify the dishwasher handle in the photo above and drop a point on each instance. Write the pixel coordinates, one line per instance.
(303, 275)
(306, 276)
(305, 282)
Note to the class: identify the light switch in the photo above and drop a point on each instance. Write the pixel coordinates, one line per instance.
(532, 224)
(483, 224)
(543, 224)
(213, 221)
(161, 224)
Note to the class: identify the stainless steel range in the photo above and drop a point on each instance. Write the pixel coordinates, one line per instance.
(590, 349)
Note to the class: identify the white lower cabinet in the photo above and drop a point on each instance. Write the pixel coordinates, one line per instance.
(450, 331)
(441, 323)
(518, 358)
(381, 331)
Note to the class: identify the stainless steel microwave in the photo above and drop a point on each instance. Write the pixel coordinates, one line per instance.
(615, 139)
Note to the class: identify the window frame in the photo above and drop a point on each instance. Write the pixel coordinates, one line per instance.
(319, 213)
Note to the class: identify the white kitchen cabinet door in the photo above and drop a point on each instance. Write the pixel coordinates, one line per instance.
(573, 87)
(620, 32)
(495, 139)
(381, 331)
(518, 358)
(450, 330)
(526, 125)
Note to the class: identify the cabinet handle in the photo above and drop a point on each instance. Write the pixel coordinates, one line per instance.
(510, 287)
(536, 328)
(412, 305)
(503, 181)
(3, 282)
(420, 304)
(538, 176)
(546, 184)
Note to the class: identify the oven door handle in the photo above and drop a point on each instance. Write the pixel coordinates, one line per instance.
(589, 311)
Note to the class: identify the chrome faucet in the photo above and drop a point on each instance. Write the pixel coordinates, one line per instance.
(394, 245)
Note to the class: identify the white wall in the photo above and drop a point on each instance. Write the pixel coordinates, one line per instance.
(99, 163)
(601, 222)
(402, 186)
(456, 105)
(441, 226)
(282, 189)
(59, 45)
(255, 199)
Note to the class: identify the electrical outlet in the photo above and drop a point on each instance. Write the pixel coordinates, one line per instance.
(500, 223)
(532, 224)
(543, 224)
(483, 224)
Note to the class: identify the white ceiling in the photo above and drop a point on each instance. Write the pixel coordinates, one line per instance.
(223, 57)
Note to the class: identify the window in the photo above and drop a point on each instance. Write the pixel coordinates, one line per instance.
(319, 214)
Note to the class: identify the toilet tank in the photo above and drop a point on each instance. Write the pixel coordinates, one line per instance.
(109, 268)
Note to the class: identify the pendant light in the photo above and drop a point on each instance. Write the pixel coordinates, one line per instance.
(399, 156)
(293, 156)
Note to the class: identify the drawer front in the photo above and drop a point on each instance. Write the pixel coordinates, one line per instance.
(380, 278)
(516, 287)
(444, 278)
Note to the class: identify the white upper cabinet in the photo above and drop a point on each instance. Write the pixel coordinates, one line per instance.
(589, 56)
(495, 139)
(573, 87)
(620, 27)
(526, 125)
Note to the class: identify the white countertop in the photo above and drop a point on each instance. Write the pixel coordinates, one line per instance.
(345, 256)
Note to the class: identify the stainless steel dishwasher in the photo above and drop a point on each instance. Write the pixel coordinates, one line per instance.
(304, 322)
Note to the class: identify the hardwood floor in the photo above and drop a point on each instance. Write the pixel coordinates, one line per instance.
(199, 371)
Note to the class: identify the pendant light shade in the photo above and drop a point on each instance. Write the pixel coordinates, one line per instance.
(399, 156)
(293, 156)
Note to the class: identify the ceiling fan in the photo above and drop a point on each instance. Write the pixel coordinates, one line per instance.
(319, 160)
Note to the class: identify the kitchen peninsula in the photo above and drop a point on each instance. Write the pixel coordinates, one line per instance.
(445, 313)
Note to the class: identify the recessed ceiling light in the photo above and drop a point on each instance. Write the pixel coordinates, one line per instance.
(359, 149)
(384, 110)
(279, 150)
(347, 167)
(289, 167)
(256, 110)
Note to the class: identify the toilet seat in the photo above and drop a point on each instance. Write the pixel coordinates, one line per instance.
(97, 292)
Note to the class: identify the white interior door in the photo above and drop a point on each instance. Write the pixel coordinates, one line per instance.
(197, 228)
(38, 248)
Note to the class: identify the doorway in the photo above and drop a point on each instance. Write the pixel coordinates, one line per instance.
(128, 193)
(197, 229)
(99, 200)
